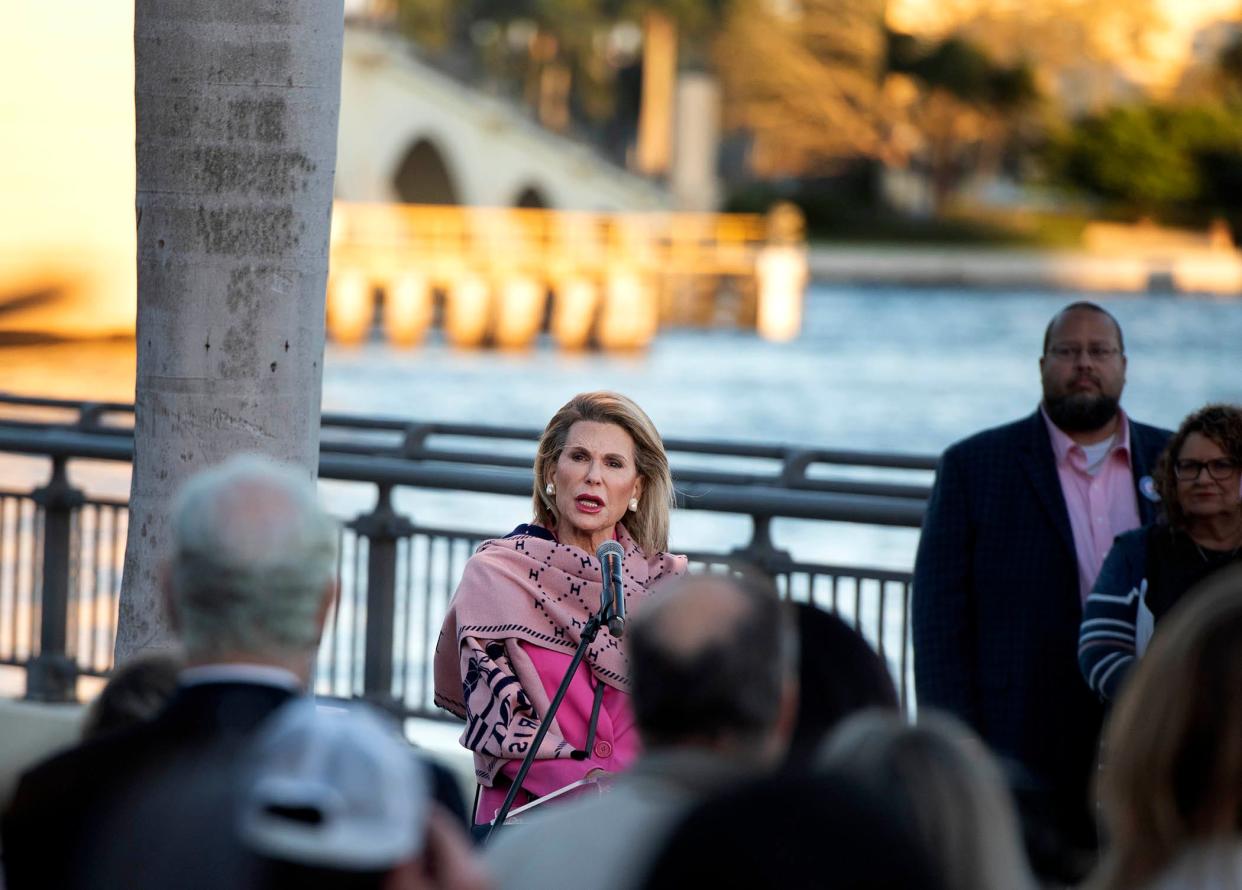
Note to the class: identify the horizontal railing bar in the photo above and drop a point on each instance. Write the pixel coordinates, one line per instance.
(755, 500)
(422, 430)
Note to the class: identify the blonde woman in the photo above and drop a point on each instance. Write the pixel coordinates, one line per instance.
(601, 474)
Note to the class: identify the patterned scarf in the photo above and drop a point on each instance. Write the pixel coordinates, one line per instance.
(528, 589)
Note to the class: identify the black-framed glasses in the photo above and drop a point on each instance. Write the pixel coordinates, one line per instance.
(1062, 352)
(1218, 469)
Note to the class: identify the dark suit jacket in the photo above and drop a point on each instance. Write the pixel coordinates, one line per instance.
(64, 804)
(996, 605)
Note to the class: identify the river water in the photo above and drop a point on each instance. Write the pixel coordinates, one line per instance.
(896, 369)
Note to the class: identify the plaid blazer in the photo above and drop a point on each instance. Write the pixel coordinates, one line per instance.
(996, 606)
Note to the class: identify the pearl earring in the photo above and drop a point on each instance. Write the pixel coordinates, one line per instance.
(633, 505)
(550, 489)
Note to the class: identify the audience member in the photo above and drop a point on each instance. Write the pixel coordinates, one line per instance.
(335, 798)
(1171, 784)
(1019, 521)
(838, 674)
(939, 780)
(794, 830)
(251, 577)
(712, 672)
(1151, 568)
(136, 692)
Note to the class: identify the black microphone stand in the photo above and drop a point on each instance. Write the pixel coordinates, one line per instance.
(589, 633)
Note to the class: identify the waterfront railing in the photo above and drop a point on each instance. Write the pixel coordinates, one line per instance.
(61, 548)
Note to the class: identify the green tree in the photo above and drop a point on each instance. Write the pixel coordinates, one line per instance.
(1176, 162)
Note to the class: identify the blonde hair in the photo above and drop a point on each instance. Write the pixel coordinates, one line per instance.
(945, 784)
(1172, 774)
(649, 525)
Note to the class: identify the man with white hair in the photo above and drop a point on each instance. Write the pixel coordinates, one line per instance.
(249, 584)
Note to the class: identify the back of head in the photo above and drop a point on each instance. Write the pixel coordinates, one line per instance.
(794, 830)
(711, 662)
(1172, 773)
(332, 793)
(253, 557)
(838, 674)
(137, 691)
(939, 779)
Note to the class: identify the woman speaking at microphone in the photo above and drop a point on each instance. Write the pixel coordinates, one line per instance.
(601, 474)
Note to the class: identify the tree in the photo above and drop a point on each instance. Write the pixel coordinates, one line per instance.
(805, 80)
(964, 106)
(1183, 163)
(237, 108)
(1081, 52)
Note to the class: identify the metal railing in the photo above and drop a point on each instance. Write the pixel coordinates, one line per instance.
(61, 550)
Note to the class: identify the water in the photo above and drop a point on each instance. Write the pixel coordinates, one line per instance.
(887, 369)
(895, 369)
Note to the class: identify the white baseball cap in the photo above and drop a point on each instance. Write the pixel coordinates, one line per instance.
(335, 787)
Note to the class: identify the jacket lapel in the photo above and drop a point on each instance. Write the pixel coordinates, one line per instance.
(1037, 460)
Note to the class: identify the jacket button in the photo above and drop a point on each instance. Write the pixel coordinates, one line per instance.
(603, 750)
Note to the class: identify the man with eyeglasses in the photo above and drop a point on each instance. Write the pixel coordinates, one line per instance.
(1019, 522)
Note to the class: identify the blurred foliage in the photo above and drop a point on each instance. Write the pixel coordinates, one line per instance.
(1178, 163)
(823, 87)
(960, 113)
(805, 81)
(961, 68)
(845, 209)
(529, 45)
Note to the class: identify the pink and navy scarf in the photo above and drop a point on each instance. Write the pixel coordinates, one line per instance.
(540, 592)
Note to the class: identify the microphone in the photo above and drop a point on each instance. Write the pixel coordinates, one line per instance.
(613, 595)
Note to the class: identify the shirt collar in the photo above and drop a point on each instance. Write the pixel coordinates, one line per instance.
(1062, 444)
(256, 674)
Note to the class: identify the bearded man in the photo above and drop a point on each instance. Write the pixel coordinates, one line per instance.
(1020, 519)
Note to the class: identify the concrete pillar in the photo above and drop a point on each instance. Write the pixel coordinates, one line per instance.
(520, 308)
(407, 309)
(467, 311)
(351, 307)
(694, 180)
(573, 312)
(630, 314)
(655, 116)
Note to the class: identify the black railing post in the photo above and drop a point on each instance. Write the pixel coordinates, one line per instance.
(760, 553)
(383, 527)
(52, 674)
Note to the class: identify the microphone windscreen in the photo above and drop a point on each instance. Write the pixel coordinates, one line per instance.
(609, 548)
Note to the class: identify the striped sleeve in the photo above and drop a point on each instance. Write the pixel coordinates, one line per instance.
(1106, 638)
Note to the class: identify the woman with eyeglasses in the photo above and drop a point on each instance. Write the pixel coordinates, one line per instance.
(1149, 570)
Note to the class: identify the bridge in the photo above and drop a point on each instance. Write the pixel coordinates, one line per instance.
(410, 133)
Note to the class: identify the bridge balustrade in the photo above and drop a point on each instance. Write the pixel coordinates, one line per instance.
(614, 278)
(61, 549)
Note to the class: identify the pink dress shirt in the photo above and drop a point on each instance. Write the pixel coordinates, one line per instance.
(1101, 506)
(616, 739)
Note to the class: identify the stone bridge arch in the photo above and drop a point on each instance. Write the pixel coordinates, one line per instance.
(423, 176)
